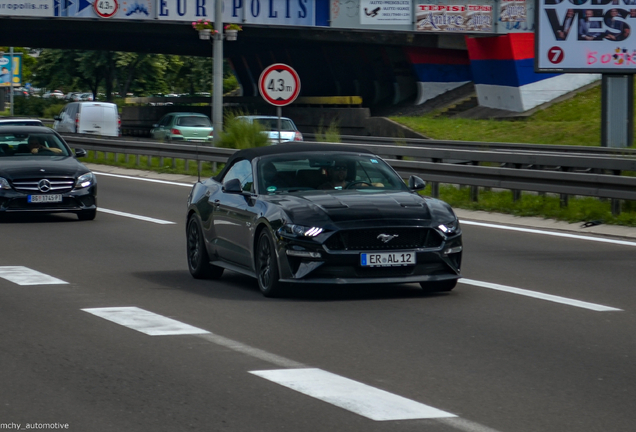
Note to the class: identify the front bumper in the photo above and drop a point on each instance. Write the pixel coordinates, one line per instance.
(343, 267)
(72, 202)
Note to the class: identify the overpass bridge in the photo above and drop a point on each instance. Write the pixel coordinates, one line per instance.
(410, 59)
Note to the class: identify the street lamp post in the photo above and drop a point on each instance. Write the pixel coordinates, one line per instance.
(217, 77)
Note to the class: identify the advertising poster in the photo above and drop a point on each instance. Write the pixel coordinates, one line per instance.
(105, 9)
(11, 70)
(512, 11)
(585, 36)
(386, 12)
(454, 18)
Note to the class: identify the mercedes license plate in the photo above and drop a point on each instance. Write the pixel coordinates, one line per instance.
(387, 259)
(45, 198)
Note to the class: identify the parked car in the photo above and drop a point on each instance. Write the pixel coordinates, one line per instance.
(273, 213)
(288, 130)
(39, 173)
(13, 121)
(183, 126)
(96, 118)
(53, 94)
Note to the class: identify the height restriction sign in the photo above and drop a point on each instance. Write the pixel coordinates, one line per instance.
(279, 84)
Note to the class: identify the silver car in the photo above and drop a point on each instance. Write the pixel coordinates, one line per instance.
(288, 130)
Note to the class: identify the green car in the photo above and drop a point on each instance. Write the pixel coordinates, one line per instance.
(183, 126)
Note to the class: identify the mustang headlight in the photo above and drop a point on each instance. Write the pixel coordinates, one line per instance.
(299, 231)
(4, 184)
(85, 180)
(449, 228)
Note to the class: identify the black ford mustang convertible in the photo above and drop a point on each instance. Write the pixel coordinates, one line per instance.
(319, 213)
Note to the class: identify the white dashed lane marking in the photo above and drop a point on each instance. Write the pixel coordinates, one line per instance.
(134, 216)
(144, 321)
(26, 276)
(353, 396)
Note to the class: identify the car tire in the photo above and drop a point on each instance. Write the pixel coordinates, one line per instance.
(439, 286)
(87, 215)
(267, 266)
(198, 258)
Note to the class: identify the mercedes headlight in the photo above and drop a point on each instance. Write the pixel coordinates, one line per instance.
(4, 184)
(85, 180)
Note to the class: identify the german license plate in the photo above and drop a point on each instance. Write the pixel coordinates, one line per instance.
(387, 259)
(45, 198)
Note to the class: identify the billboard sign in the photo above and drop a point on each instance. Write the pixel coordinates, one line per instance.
(11, 70)
(587, 36)
(386, 12)
(269, 12)
(452, 18)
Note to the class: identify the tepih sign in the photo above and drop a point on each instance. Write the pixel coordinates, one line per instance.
(279, 84)
(589, 36)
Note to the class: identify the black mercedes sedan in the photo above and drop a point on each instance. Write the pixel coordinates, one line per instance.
(320, 213)
(40, 173)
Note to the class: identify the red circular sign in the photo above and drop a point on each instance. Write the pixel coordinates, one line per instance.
(555, 55)
(279, 84)
(105, 8)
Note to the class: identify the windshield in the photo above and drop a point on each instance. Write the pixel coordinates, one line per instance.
(324, 171)
(34, 144)
(272, 124)
(194, 121)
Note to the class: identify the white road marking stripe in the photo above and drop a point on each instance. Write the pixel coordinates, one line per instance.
(538, 295)
(353, 396)
(144, 321)
(26, 276)
(134, 216)
(551, 233)
(144, 179)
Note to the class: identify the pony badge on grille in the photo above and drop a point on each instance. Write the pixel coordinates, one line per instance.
(385, 238)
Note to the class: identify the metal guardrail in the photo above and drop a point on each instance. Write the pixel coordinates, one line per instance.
(433, 165)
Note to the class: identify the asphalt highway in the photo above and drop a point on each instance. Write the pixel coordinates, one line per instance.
(102, 328)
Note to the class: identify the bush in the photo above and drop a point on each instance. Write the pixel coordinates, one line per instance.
(37, 107)
(330, 134)
(240, 134)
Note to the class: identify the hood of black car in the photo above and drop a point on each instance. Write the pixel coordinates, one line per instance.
(320, 209)
(15, 168)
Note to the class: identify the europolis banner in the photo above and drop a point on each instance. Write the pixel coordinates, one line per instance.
(588, 36)
(271, 12)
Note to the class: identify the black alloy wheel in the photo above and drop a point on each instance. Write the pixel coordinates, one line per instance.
(198, 258)
(267, 266)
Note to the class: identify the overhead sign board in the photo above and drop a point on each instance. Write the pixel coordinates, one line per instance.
(587, 36)
(279, 84)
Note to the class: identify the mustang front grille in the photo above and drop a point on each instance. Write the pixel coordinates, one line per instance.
(384, 239)
(53, 185)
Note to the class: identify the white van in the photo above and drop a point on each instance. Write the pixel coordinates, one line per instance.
(96, 118)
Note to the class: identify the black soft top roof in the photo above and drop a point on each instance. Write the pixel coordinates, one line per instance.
(256, 152)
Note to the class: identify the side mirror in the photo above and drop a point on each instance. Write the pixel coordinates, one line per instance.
(79, 152)
(155, 125)
(232, 186)
(57, 117)
(416, 183)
